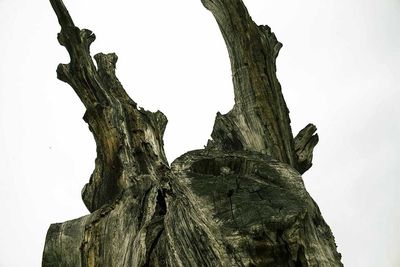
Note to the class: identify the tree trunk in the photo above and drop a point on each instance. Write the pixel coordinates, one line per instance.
(240, 201)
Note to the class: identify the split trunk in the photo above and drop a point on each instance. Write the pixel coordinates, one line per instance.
(241, 201)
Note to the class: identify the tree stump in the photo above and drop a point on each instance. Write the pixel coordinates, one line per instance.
(241, 201)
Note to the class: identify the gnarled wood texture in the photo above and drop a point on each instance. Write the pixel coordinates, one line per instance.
(239, 202)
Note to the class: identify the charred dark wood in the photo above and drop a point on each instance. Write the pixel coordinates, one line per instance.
(239, 202)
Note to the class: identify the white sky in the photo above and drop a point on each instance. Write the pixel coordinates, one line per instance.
(338, 69)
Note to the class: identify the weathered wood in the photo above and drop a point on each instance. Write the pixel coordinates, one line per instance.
(304, 144)
(239, 202)
(259, 120)
(129, 140)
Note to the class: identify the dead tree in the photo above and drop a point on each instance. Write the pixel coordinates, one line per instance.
(240, 201)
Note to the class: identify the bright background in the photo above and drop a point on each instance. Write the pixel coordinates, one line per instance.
(338, 69)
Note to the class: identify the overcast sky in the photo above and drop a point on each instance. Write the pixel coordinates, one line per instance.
(339, 68)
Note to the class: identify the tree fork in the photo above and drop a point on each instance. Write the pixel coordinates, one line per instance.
(239, 202)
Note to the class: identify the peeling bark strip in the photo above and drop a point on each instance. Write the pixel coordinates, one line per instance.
(239, 202)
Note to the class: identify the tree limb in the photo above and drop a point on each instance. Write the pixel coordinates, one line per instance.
(260, 119)
(127, 138)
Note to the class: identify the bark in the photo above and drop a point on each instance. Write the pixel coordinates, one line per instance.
(240, 201)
